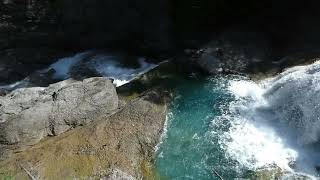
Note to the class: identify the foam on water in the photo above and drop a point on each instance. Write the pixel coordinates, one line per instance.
(101, 64)
(109, 66)
(258, 147)
(275, 121)
(64, 65)
(104, 64)
(244, 88)
(164, 133)
(252, 144)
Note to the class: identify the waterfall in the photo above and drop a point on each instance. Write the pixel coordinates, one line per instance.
(275, 121)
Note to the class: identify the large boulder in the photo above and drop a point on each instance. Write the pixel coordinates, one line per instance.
(120, 146)
(28, 115)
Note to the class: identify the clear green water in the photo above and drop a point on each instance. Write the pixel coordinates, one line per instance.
(189, 150)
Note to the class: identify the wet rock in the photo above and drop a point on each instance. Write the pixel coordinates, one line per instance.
(164, 75)
(120, 146)
(233, 51)
(265, 173)
(28, 115)
(274, 172)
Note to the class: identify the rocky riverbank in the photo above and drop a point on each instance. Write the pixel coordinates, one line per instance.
(84, 127)
(116, 138)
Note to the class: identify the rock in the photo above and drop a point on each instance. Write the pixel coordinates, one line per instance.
(265, 173)
(209, 62)
(233, 51)
(117, 174)
(154, 28)
(117, 147)
(86, 24)
(274, 172)
(28, 115)
(165, 75)
(27, 24)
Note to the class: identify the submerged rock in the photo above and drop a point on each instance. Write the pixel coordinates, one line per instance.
(265, 173)
(28, 115)
(117, 147)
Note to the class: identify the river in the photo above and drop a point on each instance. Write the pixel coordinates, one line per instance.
(233, 127)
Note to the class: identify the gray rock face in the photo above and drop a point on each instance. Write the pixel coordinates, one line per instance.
(120, 146)
(30, 114)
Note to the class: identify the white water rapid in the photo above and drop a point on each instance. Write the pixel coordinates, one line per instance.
(276, 122)
(101, 64)
(104, 64)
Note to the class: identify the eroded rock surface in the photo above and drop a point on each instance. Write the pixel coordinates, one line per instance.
(29, 114)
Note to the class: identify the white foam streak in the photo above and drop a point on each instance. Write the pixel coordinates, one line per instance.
(119, 82)
(164, 134)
